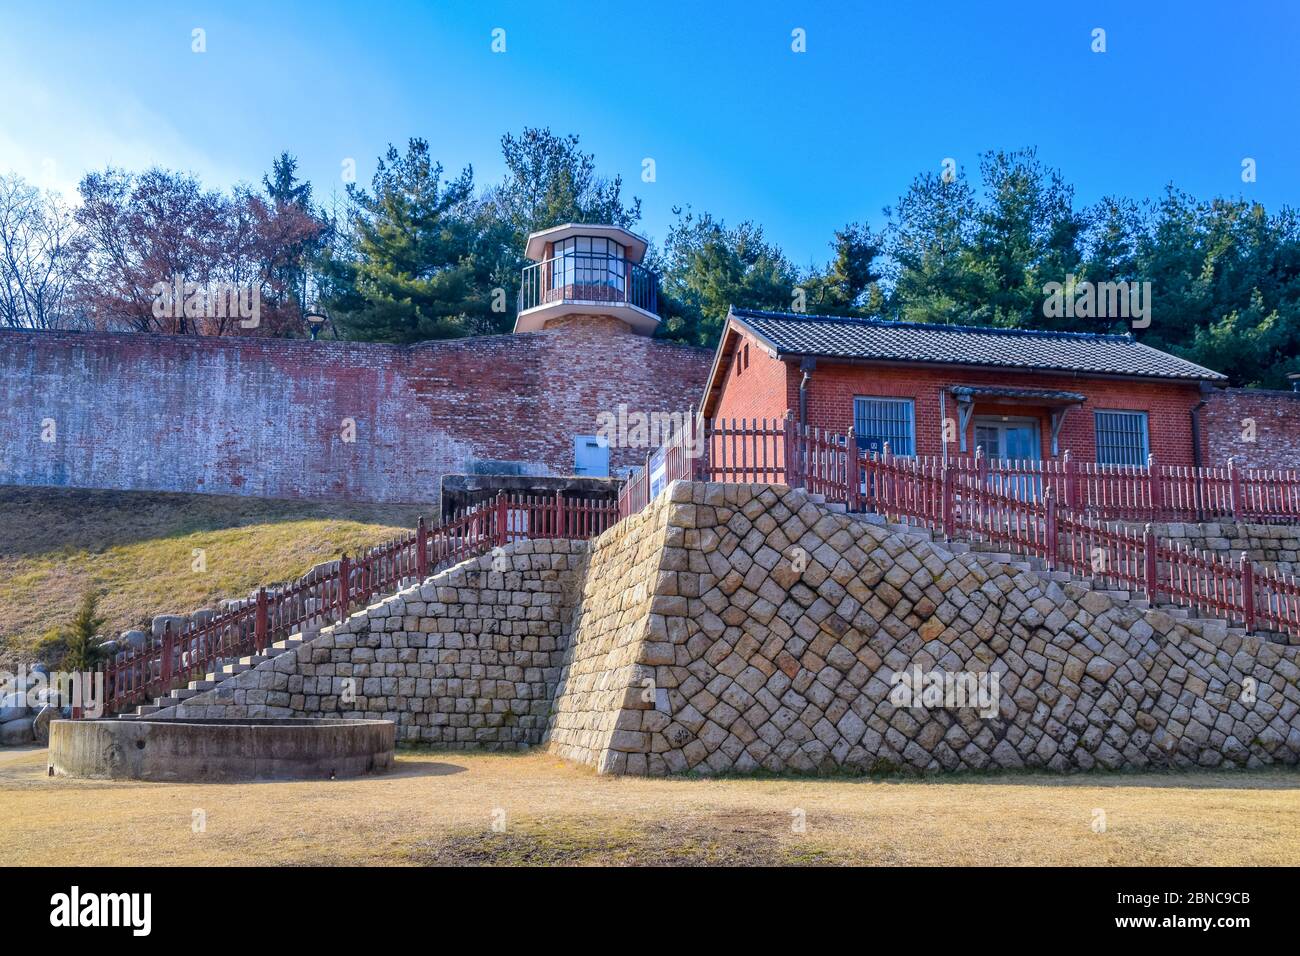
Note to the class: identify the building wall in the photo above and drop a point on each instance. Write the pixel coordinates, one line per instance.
(1258, 427)
(759, 387)
(267, 417)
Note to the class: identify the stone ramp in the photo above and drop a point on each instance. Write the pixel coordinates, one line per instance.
(728, 628)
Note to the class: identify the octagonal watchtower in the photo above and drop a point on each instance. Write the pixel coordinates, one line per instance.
(581, 270)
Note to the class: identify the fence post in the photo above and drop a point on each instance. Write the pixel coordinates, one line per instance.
(887, 480)
(1071, 482)
(1248, 592)
(260, 621)
(787, 439)
(168, 645)
(1156, 484)
(421, 549)
(345, 586)
(949, 502)
(1049, 499)
(1149, 555)
(559, 514)
(851, 470)
(503, 516)
(1234, 489)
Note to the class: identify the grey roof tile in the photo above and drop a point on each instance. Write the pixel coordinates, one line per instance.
(875, 339)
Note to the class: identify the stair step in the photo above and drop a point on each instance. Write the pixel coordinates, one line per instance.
(207, 683)
(144, 710)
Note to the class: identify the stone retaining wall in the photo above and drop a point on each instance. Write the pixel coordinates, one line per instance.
(777, 629)
(1275, 545)
(736, 627)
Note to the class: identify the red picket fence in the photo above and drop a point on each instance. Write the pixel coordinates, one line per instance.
(964, 503)
(780, 451)
(326, 595)
(1054, 510)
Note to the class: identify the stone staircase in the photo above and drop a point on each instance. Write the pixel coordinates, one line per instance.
(222, 671)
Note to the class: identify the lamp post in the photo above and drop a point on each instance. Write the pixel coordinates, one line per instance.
(315, 322)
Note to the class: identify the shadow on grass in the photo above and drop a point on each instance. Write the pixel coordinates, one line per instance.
(42, 522)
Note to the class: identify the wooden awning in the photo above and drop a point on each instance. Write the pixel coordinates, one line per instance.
(1029, 396)
(1058, 402)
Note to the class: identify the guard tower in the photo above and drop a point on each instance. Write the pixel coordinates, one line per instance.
(587, 270)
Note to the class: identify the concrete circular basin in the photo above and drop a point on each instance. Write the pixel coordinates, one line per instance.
(217, 751)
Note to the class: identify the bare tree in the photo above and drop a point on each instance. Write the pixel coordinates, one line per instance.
(40, 254)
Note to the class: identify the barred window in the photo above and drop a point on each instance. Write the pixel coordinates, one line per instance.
(1122, 438)
(880, 420)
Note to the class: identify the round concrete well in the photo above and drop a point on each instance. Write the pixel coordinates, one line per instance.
(221, 750)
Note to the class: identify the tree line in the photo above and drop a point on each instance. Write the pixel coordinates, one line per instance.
(424, 253)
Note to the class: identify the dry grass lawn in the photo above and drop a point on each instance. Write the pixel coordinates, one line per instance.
(136, 549)
(438, 808)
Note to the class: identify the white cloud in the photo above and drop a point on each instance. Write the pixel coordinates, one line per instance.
(53, 137)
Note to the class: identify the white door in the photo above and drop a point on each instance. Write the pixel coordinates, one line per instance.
(590, 456)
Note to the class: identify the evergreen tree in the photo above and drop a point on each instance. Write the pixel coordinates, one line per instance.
(412, 277)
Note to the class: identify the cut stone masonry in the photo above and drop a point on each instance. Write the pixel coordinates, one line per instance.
(734, 627)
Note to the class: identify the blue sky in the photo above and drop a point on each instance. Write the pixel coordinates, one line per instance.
(736, 122)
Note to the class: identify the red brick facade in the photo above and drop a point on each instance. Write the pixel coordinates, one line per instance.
(267, 416)
(766, 387)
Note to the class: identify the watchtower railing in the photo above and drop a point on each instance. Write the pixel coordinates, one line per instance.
(589, 278)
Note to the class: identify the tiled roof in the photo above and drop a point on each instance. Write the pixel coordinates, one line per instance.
(878, 340)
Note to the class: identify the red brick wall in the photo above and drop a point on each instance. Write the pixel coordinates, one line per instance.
(759, 389)
(264, 416)
(1226, 427)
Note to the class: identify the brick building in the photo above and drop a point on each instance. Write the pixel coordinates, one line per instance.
(1014, 393)
(363, 421)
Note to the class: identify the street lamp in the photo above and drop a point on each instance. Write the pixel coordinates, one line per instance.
(315, 322)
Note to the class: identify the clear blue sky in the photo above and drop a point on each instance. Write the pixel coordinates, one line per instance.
(737, 123)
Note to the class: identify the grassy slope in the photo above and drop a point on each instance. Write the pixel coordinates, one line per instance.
(136, 549)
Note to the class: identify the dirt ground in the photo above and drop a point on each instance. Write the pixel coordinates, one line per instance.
(474, 808)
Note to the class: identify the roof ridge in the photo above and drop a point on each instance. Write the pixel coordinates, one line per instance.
(932, 326)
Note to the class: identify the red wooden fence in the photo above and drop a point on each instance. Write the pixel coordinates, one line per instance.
(1054, 510)
(327, 595)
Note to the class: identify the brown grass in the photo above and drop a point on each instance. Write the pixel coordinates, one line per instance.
(136, 549)
(437, 808)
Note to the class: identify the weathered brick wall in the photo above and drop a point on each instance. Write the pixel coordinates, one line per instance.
(266, 416)
(1258, 427)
